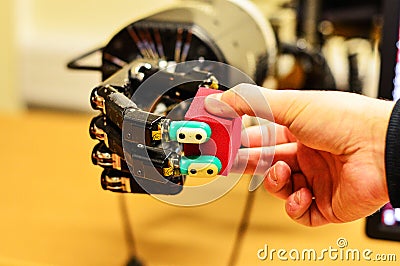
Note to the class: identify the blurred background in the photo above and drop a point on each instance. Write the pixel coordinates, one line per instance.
(54, 211)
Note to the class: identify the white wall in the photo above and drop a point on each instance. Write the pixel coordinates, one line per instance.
(50, 33)
(10, 99)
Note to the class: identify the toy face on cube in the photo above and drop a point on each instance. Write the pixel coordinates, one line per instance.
(189, 132)
(200, 166)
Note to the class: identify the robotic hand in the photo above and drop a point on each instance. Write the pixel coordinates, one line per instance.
(143, 147)
(142, 152)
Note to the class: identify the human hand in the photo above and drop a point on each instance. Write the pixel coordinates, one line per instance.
(329, 153)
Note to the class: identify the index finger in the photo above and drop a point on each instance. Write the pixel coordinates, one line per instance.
(257, 161)
(266, 135)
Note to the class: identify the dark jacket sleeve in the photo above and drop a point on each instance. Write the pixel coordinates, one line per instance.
(392, 156)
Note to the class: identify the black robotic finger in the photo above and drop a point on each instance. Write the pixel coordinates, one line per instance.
(111, 103)
(118, 181)
(140, 126)
(102, 129)
(148, 163)
(97, 127)
(104, 157)
(154, 164)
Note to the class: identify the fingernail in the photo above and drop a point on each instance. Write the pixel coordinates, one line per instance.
(297, 197)
(272, 175)
(214, 105)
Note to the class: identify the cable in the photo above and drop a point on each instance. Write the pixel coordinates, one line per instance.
(75, 63)
(128, 232)
(242, 229)
(240, 233)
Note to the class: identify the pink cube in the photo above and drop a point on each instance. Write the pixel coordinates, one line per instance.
(225, 137)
